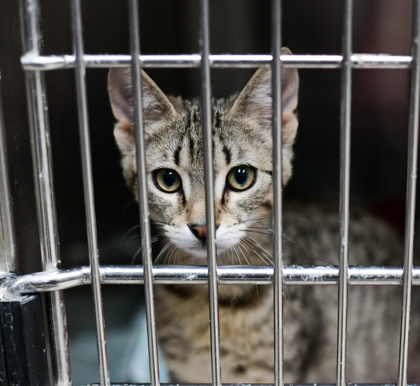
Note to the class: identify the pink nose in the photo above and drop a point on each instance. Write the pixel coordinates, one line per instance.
(199, 231)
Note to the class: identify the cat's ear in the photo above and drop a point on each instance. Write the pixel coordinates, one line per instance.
(156, 106)
(255, 100)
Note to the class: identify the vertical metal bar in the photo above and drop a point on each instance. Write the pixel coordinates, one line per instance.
(7, 239)
(204, 44)
(80, 72)
(277, 191)
(142, 191)
(346, 79)
(411, 194)
(41, 154)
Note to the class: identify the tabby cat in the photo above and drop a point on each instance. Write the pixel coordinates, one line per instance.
(242, 136)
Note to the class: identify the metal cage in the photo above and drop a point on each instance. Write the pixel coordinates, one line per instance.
(17, 290)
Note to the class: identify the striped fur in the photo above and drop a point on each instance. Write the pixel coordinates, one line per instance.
(242, 137)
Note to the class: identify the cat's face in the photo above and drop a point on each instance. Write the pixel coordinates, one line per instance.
(242, 142)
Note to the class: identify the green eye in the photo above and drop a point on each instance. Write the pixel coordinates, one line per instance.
(167, 180)
(240, 178)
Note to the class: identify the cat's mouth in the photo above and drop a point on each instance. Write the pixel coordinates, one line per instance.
(194, 244)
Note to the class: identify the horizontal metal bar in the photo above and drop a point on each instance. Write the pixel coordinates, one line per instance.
(31, 61)
(292, 274)
(258, 384)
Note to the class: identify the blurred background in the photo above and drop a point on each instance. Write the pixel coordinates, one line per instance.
(379, 118)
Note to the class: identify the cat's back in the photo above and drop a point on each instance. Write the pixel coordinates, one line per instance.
(311, 235)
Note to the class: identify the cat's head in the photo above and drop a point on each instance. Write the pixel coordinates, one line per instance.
(242, 136)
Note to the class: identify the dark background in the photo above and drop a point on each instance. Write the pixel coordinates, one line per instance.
(379, 109)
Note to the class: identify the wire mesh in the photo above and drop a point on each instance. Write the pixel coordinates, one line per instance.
(142, 193)
(276, 68)
(209, 189)
(53, 279)
(411, 196)
(346, 82)
(7, 238)
(45, 198)
(80, 72)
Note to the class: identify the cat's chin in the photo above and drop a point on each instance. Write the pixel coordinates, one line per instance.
(199, 255)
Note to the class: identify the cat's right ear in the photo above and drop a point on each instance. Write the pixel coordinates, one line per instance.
(156, 106)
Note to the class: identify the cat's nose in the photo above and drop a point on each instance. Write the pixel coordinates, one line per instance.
(200, 231)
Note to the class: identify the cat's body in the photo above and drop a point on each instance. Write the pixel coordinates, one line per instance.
(243, 203)
(310, 313)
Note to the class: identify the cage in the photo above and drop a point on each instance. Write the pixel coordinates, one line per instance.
(60, 210)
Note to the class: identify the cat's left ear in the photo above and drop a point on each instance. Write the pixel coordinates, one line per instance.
(255, 100)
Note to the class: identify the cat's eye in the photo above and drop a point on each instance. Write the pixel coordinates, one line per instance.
(167, 180)
(240, 178)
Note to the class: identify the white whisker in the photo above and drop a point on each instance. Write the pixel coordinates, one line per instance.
(136, 255)
(236, 252)
(258, 245)
(163, 250)
(259, 232)
(303, 249)
(256, 219)
(243, 251)
(263, 259)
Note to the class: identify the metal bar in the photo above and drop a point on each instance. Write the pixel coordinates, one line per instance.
(277, 191)
(228, 275)
(344, 191)
(80, 74)
(411, 195)
(264, 384)
(31, 61)
(7, 237)
(204, 44)
(45, 200)
(142, 191)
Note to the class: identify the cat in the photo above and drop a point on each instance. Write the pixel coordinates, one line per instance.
(242, 136)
